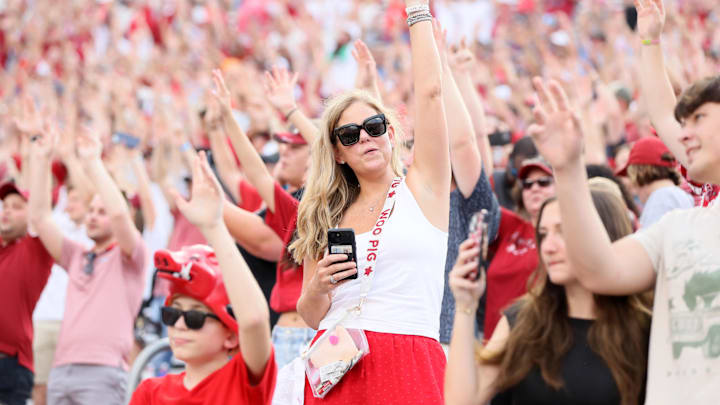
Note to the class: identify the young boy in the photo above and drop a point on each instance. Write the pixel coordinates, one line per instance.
(226, 348)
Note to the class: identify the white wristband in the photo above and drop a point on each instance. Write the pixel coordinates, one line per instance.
(416, 8)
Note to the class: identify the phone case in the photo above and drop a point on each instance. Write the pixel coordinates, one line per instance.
(342, 240)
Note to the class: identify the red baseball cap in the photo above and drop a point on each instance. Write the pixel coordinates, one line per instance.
(9, 188)
(293, 138)
(648, 151)
(193, 271)
(535, 163)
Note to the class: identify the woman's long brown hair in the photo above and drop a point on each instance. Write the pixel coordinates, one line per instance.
(542, 335)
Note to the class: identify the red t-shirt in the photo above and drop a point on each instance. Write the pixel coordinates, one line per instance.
(229, 385)
(288, 284)
(24, 269)
(250, 198)
(514, 260)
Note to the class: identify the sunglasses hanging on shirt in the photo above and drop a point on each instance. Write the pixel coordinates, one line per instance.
(349, 134)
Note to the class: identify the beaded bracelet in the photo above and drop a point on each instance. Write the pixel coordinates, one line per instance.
(416, 18)
(655, 41)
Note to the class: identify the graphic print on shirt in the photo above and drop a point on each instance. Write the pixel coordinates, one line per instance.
(519, 246)
(694, 305)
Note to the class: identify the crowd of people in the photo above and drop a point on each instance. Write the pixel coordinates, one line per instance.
(360, 202)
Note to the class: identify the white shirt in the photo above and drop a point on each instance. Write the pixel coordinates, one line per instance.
(406, 293)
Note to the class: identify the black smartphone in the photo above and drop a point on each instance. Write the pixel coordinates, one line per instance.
(342, 241)
(479, 229)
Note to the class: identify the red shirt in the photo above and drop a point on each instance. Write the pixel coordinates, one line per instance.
(229, 385)
(515, 259)
(283, 221)
(24, 269)
(249, 197)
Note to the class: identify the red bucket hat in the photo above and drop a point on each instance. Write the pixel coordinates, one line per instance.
(193, 271)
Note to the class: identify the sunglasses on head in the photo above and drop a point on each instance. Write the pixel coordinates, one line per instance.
(194, 319)
(349, 134)
(542, 182)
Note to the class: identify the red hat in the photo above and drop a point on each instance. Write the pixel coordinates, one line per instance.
(193, 271)
(9, 188)
(535, 163)
(293, 138)
(648, 151)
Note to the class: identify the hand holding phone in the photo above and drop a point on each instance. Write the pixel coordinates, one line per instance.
(342, 241)
(479, 232)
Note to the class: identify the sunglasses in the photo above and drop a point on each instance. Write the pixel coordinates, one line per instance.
(349, 134)
(193, 319)
(542, 182)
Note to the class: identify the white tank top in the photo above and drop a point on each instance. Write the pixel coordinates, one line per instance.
(406, 292)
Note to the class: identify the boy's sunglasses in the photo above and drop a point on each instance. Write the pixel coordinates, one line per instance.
(542, 182)
(349, 134)
(193, 319)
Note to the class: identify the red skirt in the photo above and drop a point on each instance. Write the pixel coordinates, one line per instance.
(400, 369)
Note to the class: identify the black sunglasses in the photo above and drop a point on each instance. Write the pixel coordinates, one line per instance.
(193, 319)
(542, 182)
(349, 134)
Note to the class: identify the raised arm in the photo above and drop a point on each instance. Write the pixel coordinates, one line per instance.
(466, 381)
(205, 210)
(429, 176)
(225, 164)
(251, 232)
(253, 166)
(465, 157)
(279, 90)
(147, 206)
(366, 77)
(620, 268)
(656, 91)
(39, 206)
(90, 151)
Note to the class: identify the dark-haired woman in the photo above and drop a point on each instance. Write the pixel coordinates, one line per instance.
(560, 343)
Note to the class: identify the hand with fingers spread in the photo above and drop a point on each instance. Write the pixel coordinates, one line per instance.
(220, 91)
(88, 145)
(650, 19)
(331, 272)
(556, 131)
(466, 284)
(366, 77)
(205, 207)
(279, 89)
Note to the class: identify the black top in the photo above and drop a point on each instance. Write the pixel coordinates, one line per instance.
(586, 378)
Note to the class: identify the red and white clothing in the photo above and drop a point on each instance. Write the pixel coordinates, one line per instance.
(514, 259)
(229, 385)
(250, 199)
(401, 316)
(24, 269)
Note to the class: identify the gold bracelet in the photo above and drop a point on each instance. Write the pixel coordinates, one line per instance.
(466, 311)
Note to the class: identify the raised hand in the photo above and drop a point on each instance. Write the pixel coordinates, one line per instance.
(279, 89)
(221, 92)
(88, 145)
(31, 121)
(466, 286)
(366, 76)
(42, 146)
(205, 207)
(650, 19)
(556, 130)
(461, 57)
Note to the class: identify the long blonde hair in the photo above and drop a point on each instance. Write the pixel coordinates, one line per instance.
(332, 187)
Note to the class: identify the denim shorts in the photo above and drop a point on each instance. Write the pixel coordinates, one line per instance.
(288, 343)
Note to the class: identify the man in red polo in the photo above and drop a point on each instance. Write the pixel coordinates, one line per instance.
(24, 269)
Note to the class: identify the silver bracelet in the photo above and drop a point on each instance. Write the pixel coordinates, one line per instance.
(416, 18)
(416, 8)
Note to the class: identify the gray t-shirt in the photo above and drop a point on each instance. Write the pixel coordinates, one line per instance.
(461, 211)
(662, 201)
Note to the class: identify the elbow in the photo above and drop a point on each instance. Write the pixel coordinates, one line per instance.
(430, 91)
